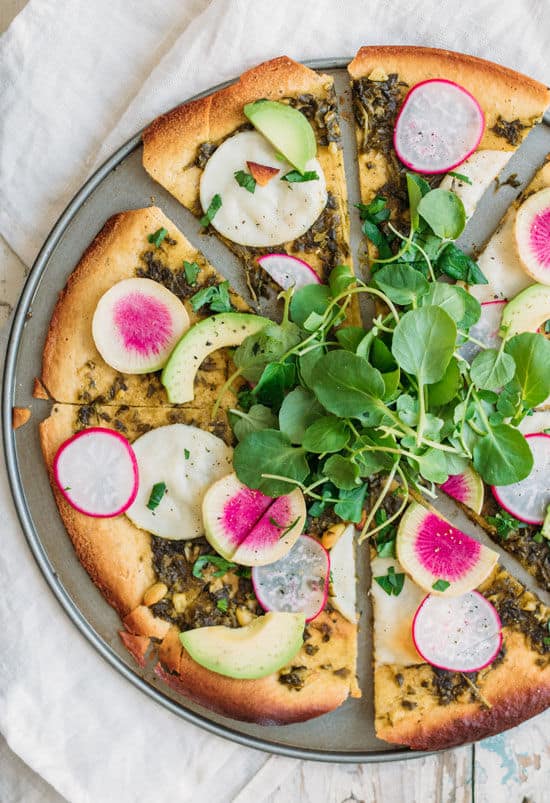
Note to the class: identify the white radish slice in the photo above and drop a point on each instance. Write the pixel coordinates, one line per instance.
(343, 594)
(486, 330)
(440, 124)
(528, 500)
(298, 582)
(459, 634)
(97, 472)
(136, 325)
(187, 460)
(533, 235)
(288, 271)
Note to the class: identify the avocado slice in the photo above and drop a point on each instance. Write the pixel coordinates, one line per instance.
(254, 651)
(211, 334)
(527, 312)
(288, 130)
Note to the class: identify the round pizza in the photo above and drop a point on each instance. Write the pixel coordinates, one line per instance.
(220, 473)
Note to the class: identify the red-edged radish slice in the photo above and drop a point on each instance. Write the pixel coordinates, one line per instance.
(288, 271)
(527, 500)
(440, 124)
(460, 634)
(97, 472)
(298, 582)
(532, 232)
(466, 488)
(486, 330)
(439, 557)
(136, 325)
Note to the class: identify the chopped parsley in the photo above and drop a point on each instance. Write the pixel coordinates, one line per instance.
(295, 177)
(157, 492)
(245, 180)
(285, 530)
(441, 585)
(215, 206)
(385, 540)
(222, 565)
(460, 177)
(546, 639)
(187, 454)
(392, 582)
(157, 237)
(192, 271)
(221, 604)
(216, 296)
(505, 524)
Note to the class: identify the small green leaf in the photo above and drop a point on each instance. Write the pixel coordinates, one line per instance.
(531, 353)
(341, 277)
(295, 177)
(192, 271)
(326, 434)
(222, 565)
(155, 497)
(299, 409)
(214, 206)
(269, 452)
(392, 582)
(503, 456)
(187, 454)
(258, 417)
(423, 343)
(245, 180)
(341, 471)
(459, 266)
(222, 604)
(460, 177)
(401, 283)
(491, 369)
(350, 504)
(441, 585)
(216, 296)
(444, 212)
(308, 299)
(157, 237)
(345, 384)
(446, 389)
(349, 337)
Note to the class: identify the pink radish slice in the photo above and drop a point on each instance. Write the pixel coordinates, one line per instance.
(440, 124)
(459, 634)
(136, 325)
(298, 582)
(486, 330)
(466, 488)
(288, 271)
(527, 500)
(97, 472)
(533, 235)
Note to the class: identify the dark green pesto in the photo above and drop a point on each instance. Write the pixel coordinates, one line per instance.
(322, 113)
(510, 130)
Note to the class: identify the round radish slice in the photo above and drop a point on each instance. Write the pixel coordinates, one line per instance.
(136, 325)
(438, 556)
(288, 271)
(466, 488)
(527, 500)
(440, 124)
(298, 582)
(461, 634)
(97, 473)
(486, 330)
(533, 235)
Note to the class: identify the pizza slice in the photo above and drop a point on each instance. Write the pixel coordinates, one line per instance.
(138, 244)
(499, 632)
(163, 586)
(381, 78)
(216, 156)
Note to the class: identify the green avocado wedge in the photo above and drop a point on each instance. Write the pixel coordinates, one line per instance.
(527, 311)
(288, 130)
(254, 651)
(211, 334)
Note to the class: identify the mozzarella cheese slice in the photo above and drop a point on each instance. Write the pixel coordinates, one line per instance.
(393, 617)
(277, 213)
(482, 167)
(342, 573)
(188, 460)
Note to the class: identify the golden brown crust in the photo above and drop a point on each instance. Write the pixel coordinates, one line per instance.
(38, 390)
(72, 369)
(19, 416)
(516, 689)
(137, 646)
(267, 701)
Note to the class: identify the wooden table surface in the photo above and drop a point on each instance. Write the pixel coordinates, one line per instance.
(513, 767)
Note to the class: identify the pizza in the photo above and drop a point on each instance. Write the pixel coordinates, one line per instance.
(218, 472)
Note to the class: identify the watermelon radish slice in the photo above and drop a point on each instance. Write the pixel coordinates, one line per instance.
(297, 582)
(486, 330)
(97, 472)
(527, 500)
(439, 557)
(288, 271)
(440, 124)
(460, 634)
(136, 325)
(466, 488)
(249, 528)
(533, 235)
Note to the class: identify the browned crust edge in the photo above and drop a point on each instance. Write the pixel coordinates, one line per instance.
(39, 391)
(20, 416)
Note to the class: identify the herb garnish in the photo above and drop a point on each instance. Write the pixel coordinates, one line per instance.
(460, 177)
(214, 206)
(285, 530)
(295, 177)
(157, 492)
(222, 565)
(222, 604)
(157, 237)
(441, 585)
(187, 454)
(505, 523)
(245, 180)
(192, 271)
(216, 296)
(392, 582)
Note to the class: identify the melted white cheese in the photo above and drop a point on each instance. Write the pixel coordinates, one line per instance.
(271, 215)
(481, 168)
(393, 617)
(188, 460)
(342, 570)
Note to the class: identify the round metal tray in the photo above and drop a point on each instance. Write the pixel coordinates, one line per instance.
(346, 735)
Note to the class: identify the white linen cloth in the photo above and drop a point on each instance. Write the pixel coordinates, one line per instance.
(77, 79)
